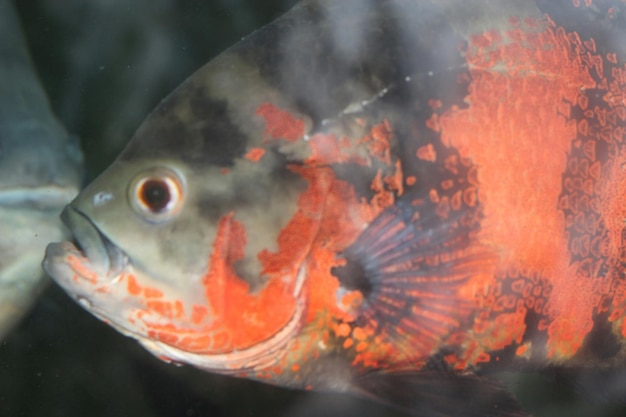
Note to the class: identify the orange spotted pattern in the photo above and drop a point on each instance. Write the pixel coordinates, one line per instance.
(558, 258)
(557, 262)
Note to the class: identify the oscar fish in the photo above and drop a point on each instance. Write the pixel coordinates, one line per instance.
(386, 198)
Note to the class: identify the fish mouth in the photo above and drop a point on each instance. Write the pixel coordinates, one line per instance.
(105, 258)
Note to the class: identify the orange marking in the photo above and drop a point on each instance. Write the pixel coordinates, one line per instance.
(255, 154)
(342, 330)
(456, 201)
(411, 180)
(280, 124)
(84, 272)
(359, 334)
(433, 123)
(179, 310)
(152, 293)
(507, 187)
(435, 104)
(221, 341)
(377, 182)
(361, 346)
(133, 287)
(611, 57)
(198, 313)
(483, 358)
(380, 144)
(295, 239)
(352, 300)
(443, 208)
(447, 184)
(434, 196)
(393, 182)
(276, 370)
(234, 308)
(427, 153)
(164, 337)
(194, 343)
(163, 308)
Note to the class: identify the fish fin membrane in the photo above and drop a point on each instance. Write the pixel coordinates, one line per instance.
(409, 271)
(437, 393)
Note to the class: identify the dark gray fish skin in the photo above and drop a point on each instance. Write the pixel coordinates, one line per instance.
(40, 171)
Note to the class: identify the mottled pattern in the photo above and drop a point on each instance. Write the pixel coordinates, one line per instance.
(418, 190)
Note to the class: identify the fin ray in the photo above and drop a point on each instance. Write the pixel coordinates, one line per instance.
(412, 269)
(439, 393)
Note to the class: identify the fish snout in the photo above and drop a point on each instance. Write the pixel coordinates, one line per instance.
(100, 256)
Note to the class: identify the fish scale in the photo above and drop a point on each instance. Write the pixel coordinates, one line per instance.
(390, 199)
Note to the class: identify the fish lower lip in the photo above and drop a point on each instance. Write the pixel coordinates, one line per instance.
(105, 258)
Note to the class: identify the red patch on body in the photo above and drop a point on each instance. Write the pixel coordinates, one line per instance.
(280, 124)
(427, 153)
(517, 130)
(295, 239)
(255, 154)
(244, 318)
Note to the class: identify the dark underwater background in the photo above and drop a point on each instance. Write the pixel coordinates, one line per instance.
(105, 65)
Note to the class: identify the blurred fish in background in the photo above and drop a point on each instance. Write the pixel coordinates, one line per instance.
(40, 171)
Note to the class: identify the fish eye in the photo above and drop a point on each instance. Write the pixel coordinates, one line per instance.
(157, 194)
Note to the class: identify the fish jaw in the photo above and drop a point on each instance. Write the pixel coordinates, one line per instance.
(100, 277)
(91, 275)
(72, 270)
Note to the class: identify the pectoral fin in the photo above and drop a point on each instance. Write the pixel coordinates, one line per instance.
(410, 268)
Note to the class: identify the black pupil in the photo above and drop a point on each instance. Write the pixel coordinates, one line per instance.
(155, 194)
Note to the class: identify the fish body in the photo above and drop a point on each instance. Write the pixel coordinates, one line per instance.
(387, 198)
(40, 172)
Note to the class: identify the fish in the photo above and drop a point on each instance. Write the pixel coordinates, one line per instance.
(392, 199)
(40, 173)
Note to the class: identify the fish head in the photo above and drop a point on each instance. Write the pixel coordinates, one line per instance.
(195, 240)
